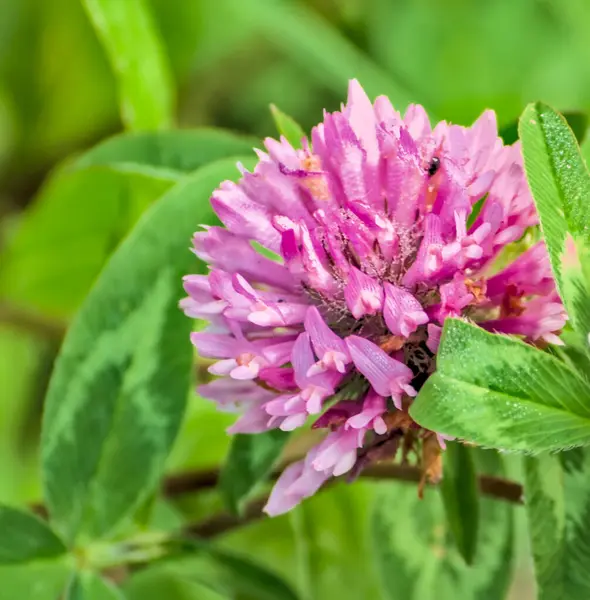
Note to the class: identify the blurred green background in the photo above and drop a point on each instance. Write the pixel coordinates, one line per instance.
(228, 59)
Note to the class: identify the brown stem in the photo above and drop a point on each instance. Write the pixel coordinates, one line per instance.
(32, 322)
(492, 487)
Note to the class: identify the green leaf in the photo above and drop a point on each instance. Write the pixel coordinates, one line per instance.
(43, 580)
(26, 538)
(287, 126)
(90, 586)
(319, 48)
(158, 582)
(86, 208)
(332, 544)
(460, 497)
(415, 560)
(249, 463)
(557, 493)
(119, 387)
(499, 392)
(229, 573)
(131, 41)
(560, 184)
(177, 152)
(67, 234)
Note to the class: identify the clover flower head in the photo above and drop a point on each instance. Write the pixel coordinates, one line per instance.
(381, 227)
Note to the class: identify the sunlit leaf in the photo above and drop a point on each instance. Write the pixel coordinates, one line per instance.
(132, 44)
(287, 126)
(500, 392)
(119, 387)
(560, 184)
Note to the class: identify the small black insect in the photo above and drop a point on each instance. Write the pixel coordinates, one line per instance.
(434, 166)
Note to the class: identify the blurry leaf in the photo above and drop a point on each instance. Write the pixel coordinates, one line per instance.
(165, 582)
(90, 586)
(230, 574)
(250, 461)
(417, 560)
(66, 236)
(120, 384)
(178, 151)
(502, 393)
(287, 126)
(333, 553)
(560, 184)
(319, 48)
(44, 580)
(132, 44)
(508, 52)
(85, 209)
(26, 538)
(557, 493)
(460, 498)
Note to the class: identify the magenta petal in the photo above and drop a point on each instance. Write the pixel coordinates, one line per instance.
(386, 375)
(363, 295)
(403, 314)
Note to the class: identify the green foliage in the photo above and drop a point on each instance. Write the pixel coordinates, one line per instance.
(287, 126)
(128, 206)
(26, 538)
(460, 496)
(230, 574)
(118, 391)
(560, 183)
(250, 461)
(88, 206)
(309, 41)
(127, 31)
(499, 392)
(410, 538)
(558, 507)
(89, 586)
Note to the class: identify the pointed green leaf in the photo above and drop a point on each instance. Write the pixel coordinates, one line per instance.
(460, 498)
(24, 538)
(287, 126)
(500, 392)
(133, 46)
(560, 184)
(248, 465)
(416, 559)
(119, 387)
(557, 493)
